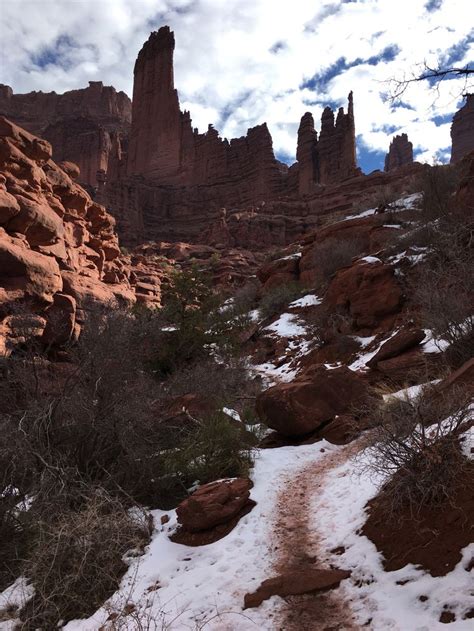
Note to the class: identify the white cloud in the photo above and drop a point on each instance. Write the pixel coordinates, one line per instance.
(225, 70)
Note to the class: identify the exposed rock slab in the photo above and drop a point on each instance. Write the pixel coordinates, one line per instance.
(295, 582)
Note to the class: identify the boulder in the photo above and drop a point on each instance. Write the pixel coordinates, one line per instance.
(214, 504)
(306, 404)
(402, 341)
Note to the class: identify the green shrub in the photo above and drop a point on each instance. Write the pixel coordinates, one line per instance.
(216, 448)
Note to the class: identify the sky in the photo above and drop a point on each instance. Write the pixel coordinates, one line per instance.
(239, 63)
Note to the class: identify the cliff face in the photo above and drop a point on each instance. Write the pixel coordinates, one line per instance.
(166, 150)
(173, 182)
(400, 153)
(462, 130)
(79, 124)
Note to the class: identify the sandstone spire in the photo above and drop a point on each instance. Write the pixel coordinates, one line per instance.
(336, 146)
(306, 154)
(400, 152)
(462, 130)
(154, 149)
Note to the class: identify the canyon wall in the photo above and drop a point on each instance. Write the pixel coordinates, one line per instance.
(174, 182)
(462, 130)
(80, 124)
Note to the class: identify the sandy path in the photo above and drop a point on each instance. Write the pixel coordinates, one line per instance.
(298, 547)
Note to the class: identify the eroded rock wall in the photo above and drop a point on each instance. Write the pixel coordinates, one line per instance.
(79, 124)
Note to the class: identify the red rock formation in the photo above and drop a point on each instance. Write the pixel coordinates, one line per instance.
(173, 182)
(336, 146)
(462, 130)
(79, 124)
(59, 252)
(306, 155)
(400, 153)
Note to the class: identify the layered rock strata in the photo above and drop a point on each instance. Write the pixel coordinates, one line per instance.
(400, 153)
(176, 184)
(83, 126)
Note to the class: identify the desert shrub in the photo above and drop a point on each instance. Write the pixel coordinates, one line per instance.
(438, 184)
(247, 296)
(415, 447)
(333, 254)
(328, 326)
(276, 299)
(230, 384)
(444, 286)
(214, 448)
(77, 560)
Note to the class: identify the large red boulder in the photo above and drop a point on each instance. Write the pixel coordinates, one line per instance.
(304, 405)
(368, 289)
(213, 504)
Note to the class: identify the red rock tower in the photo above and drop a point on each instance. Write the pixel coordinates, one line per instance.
(306, 155)
(400, 153)
(154, 148)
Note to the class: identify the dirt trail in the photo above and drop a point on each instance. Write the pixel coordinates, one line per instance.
(298, 548)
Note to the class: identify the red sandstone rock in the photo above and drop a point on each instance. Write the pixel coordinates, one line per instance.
(304, 405)
(306, 154)
(402, 341)
(462, 130)
(369, 292)
(58, 249)
(80, 124)
(214, 504)
(295, 582)
(400, 153)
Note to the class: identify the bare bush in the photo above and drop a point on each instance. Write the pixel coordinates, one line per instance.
(438, 183)
(77, 560)
(332, 255)
(275, 300)
(444, 286)
(415, 447)
(247, 296)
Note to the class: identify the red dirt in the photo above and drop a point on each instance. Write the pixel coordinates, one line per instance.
(433, 539)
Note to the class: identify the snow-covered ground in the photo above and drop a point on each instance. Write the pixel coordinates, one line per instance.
(206, 585)
(389, 600)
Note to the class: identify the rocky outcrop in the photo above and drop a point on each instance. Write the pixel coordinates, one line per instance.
(80, 124)
(369, 291)
(462, 130)
(59, 252)
(400, 153)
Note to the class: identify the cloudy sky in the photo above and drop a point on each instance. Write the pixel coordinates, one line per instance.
(241, 62)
